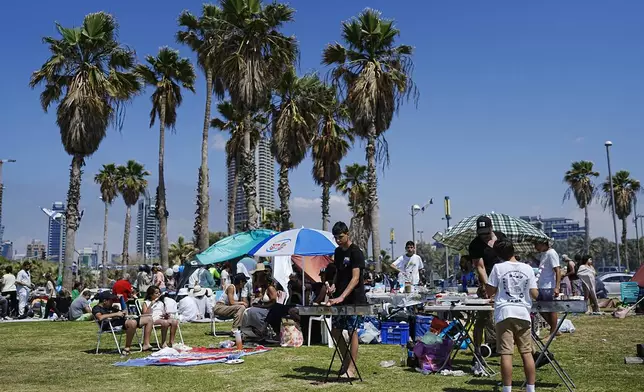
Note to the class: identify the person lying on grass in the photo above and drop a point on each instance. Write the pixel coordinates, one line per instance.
(104, 310)
(154, 306)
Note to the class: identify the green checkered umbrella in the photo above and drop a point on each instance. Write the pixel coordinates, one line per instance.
(522, 233)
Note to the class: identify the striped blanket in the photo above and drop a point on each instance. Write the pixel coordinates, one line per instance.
(196, 356)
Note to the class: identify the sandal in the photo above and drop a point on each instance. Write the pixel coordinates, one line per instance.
(146, 348)
(125, 352)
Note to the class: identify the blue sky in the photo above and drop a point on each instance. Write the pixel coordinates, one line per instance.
(511, 92)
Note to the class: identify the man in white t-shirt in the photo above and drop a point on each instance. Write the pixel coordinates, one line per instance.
(24, 286)
(549, 279)
(513, 286)
(409, 265)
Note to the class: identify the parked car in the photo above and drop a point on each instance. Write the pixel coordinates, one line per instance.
(609, 269)
(611, 283)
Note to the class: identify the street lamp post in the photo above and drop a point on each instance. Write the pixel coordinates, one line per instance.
(414, 210)
(392, 241)
(637, 233)
(2, 162)
(608, 144)
(448, 216)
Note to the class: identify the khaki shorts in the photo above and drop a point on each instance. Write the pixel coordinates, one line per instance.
(513, 331)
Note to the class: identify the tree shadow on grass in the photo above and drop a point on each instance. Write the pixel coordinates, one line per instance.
(315, 375)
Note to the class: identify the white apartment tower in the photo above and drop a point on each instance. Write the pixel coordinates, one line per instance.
(265, 170)
(147, 228)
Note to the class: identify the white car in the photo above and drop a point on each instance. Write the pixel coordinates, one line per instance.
(612, 282)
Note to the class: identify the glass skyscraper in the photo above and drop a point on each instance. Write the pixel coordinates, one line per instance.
(56, 234)
(147, 228)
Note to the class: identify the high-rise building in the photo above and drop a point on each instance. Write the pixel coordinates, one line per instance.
(147, 228)
(57, 233)
(557, 228)
(6, 250)
(265, 170)
(36, 250)
(88, 257)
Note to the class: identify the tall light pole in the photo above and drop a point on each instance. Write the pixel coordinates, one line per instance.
(637, 234)
(2, 162)
(415, 209)
(639, 218)
(608, 144)
(448, 216)
(392, 241)
(58, 218)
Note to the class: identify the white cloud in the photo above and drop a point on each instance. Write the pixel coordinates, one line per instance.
(307, 211)
(218, 142)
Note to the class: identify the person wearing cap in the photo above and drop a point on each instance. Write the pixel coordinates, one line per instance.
(170, 282)
(199, 293)
(104, 310)
(79, 309)
(484, 257)
(549, 279)
(231, 304)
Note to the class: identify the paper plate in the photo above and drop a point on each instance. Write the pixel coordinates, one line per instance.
(234, 361)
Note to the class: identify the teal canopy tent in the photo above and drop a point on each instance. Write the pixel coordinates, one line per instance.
(234, 246)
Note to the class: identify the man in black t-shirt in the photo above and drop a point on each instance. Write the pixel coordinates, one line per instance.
(481, 251)
(104, 310)
(348, 287)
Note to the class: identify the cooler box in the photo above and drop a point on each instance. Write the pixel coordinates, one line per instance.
(394, 333)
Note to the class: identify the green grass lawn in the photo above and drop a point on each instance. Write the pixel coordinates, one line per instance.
(54, 356)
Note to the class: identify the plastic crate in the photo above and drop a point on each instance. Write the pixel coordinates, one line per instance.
(423, 325)
(629, 292)
(394, 333)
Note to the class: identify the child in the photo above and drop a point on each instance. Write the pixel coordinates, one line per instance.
(513, 286)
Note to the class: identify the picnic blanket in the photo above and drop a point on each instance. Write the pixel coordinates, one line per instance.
(196, 356)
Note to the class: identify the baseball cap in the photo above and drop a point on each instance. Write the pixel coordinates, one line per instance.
(483, 225)
(106, 295)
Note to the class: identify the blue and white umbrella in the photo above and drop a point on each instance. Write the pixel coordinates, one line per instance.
(300, 242)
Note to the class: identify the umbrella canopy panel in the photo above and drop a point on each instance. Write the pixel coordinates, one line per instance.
(522, 233)
(301, 242)
(234, 246)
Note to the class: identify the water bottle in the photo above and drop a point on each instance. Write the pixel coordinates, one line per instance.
(238, 340)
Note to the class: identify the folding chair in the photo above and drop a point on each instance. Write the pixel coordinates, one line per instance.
(629, 292)
(114, 330)
(139, 309)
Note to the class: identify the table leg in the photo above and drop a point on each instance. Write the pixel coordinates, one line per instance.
(565, 378)
(335, 351)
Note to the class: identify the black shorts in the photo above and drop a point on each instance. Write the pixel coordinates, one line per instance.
(120, 323)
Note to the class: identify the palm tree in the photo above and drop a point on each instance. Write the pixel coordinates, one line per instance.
(253, 54)
(107, 179)
(330, 144)
(232, 121)
(353, 184)
(167, 73)
(215, 236)
(88, 75)
(376, 78)
(272, 220)
(181, 251)
(200, 35)
(294, 121)
(580, 185)
(131, 184)
(626, 190)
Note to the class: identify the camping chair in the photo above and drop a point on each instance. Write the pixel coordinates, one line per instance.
(173, 315)
(629, 292)
(114, 330)
(214, 319)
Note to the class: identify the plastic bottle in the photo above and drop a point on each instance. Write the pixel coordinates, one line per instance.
(238, 340)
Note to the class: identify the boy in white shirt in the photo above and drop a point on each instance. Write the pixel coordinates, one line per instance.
(549, 279)
(409, 265)
(513, 286)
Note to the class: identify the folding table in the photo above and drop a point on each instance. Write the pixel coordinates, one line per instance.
(341, 310)
(565, 307)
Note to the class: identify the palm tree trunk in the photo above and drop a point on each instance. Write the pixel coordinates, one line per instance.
(104, 253)
(284, 192)
(125, 257)
(326, 195)
(624, 243)
(372, 185)
(71, 218)
(250, 180)
(203, 200)
(357, 233)
(587, 231)
(161, 202)
(232, 198)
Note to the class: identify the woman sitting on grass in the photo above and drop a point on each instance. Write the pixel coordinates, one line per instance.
(154, 306)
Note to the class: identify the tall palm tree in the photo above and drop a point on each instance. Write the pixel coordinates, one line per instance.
(253, 54)
(272, 220)
(232, 121)
(200, 34)
(167, 73)
(353, 184)
(131, 183)
(295, 118)
(181, 251)
(626, 190)
(107, 179)
(375, 75)
(331, 143)
(88, 75)
(580, 185)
